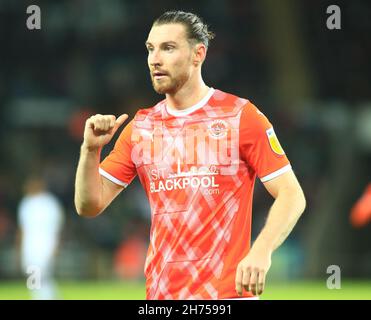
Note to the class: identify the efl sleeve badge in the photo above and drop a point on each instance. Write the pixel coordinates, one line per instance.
(274, 143)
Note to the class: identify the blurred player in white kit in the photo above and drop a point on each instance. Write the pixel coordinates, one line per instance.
(40, 218)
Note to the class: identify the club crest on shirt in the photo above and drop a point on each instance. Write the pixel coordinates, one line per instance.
(218, 129)
(274, 143)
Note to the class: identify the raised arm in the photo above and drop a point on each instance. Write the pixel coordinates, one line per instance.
(93, 193)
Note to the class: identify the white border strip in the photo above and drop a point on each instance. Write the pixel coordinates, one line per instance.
(112, 178)
(276, 173)
(187, 111)
(245, 298)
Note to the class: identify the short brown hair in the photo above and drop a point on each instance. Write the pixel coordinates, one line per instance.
(197, 30)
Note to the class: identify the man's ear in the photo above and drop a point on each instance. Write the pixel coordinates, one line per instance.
(199, 54)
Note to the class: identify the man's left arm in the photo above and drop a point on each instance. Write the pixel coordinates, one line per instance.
(288, 206)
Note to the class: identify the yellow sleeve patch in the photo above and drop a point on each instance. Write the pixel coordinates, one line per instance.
(274, 143)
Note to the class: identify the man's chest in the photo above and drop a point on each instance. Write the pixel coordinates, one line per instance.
(191, 143)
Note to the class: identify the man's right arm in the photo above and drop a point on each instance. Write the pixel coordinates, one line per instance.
(93, 193)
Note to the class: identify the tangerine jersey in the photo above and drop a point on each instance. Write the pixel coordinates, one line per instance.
(198, 168)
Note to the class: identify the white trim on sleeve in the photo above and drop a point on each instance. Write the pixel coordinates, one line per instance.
(275, 174)
(112, 178)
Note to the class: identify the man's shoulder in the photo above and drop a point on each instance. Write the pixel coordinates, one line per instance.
(230, 99)
(221, 95)
(227, 103)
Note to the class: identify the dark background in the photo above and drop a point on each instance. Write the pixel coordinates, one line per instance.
(89, 57)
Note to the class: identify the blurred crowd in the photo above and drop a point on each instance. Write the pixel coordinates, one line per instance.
(89, 57)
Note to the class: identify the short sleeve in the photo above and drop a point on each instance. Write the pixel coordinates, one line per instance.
(118, 166)
(259, 145)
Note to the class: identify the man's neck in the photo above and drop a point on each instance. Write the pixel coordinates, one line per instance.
(187, 96)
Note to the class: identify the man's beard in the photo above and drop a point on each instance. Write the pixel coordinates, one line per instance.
(169, 85)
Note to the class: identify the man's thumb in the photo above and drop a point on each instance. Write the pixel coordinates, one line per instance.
(120, 120)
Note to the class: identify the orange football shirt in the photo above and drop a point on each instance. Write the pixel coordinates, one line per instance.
(198, 168)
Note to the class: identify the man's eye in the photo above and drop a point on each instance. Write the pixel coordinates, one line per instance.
(168, 48)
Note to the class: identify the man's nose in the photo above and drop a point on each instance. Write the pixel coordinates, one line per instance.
(154, 58)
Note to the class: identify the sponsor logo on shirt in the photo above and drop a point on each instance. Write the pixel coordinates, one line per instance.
(197, 177)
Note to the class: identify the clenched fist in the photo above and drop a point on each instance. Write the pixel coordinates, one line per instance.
(99, 130)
